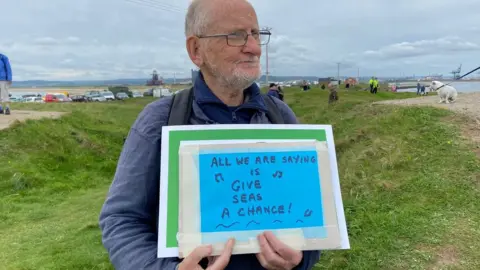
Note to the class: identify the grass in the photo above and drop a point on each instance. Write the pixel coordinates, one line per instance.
(54, 176)
(407, 180)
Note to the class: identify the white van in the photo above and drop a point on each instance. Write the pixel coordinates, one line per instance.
(34, 100)
(162, 92)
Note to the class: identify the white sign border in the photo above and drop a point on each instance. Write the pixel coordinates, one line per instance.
(163, 251)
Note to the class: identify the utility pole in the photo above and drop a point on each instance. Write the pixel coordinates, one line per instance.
(338, 71)
(266, 51)
(266, 74)
(174, 78)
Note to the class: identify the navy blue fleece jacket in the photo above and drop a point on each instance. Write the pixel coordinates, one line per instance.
(129, 217)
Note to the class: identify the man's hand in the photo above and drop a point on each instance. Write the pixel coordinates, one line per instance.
(275, 255)
(214, 263)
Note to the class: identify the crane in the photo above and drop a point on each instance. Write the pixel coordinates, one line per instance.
(456, 73)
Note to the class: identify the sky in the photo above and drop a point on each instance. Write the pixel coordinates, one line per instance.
(117, 39)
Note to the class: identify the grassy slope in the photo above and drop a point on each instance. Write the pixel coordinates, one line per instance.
(54, 183)
(407, 183)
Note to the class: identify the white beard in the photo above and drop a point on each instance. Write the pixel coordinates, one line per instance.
(237, 80)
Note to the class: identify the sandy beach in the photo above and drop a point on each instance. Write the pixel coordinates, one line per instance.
(79, 90)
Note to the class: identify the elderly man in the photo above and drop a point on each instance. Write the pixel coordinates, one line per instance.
(224, 40)
(5, 82)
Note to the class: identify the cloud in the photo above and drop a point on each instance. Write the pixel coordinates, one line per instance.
(423, 47)
(68, 58)
(89, 39)
(49, 41)
(45, 41)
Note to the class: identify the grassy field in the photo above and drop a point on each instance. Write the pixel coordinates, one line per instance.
(408, 183)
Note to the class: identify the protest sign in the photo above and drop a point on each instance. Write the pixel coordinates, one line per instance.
(174, 137)
(240, 190)
(258, 190)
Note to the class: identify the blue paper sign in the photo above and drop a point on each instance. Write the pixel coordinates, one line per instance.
(259, 191)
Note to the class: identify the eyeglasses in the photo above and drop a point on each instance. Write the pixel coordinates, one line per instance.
(239, 38)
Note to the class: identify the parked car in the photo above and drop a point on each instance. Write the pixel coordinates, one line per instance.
(62, 98)
(34, 100)
(80, 98)
(148, 93)
(16, 99)
(136, 94)
(108, 95)
(89, 94)
(122, 96)
(98, 98)
(120, 88)
(25, 96)
(48, 98)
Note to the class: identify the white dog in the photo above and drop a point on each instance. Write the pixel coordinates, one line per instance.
(446, 94)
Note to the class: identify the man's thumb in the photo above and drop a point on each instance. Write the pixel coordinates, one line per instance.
(192, 260)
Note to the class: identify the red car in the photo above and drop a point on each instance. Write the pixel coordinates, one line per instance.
(51, 98)
(56, 98)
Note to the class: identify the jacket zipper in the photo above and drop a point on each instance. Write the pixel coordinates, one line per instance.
(234, 116)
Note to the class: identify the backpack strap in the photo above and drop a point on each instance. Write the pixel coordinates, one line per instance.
(273, 113)
(180, 108)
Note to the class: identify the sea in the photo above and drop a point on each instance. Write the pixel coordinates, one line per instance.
(462, 87)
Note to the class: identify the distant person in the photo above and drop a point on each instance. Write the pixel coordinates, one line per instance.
(394, 88)
(5, 83)
(333, 96)
(371, 83)
(305, 86)
(281, 94)
(224, 92)
(422, 90)
(419, 87)
(375, 85)
(273, 90)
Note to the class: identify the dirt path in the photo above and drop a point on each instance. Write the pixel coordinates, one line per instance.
(16, 115)
(468, 104)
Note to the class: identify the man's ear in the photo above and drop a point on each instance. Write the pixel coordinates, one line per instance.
(193, 49)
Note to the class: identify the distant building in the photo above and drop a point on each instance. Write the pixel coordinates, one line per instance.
(433, 77)
(156, 80)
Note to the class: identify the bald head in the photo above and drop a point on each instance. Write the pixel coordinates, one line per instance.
(202, 13)
(223, 39)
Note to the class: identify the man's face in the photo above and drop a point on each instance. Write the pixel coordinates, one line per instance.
(235, 66)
